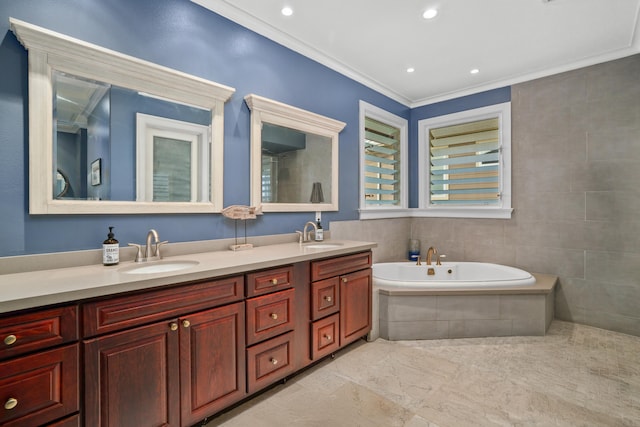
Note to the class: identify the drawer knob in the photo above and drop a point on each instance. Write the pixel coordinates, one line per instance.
(327, 299)
(10, 339)
(173, 326)
(273, 361)
(186, 323)
(274, 281)
(274, 316)
(345, 280)
(327, 337)
(11, 403)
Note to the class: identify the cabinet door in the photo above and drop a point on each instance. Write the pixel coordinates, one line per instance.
(132, 378)
(355, 306)
(212, 357)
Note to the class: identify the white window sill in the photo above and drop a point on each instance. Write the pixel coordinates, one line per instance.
(479, 212)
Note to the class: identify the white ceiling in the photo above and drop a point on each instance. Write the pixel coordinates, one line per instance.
(509, 41)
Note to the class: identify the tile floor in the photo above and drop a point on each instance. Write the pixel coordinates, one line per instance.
(574, 376)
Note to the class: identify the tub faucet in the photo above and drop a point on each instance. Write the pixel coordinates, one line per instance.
(430, 253)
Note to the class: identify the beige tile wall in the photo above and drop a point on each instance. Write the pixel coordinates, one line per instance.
(576, 195)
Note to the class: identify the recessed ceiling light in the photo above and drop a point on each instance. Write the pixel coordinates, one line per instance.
(430, 13)
(474, 71)
(287, 11)
(410, 70)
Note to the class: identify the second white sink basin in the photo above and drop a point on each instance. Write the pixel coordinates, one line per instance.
(322, 245)
(159, 267)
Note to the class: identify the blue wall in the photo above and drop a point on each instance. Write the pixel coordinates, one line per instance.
(184, 36)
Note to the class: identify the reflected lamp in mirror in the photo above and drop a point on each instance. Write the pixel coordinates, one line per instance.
(291, 151)
(87, 102)
(316, 193)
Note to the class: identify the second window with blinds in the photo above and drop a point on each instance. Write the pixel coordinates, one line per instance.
(465, 163)
(383, 163)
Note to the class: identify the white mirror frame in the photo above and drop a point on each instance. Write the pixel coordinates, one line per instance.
(49, 50)
(264, 110)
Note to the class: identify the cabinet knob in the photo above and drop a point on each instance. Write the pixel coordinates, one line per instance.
(10, 403)
(186, 323)
(274, 316)
(327, 337)
(274, 281)
(273, 361)
(10, 339)
(345, 280)
(173, 326)
(327, 299)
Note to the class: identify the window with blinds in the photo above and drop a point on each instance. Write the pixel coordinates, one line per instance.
(381, 163)
(464, 163)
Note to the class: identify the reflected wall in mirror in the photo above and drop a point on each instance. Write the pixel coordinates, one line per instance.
(293, 151)
(86, 103)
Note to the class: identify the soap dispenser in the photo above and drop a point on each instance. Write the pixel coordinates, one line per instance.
(110, 249)
(319, 231)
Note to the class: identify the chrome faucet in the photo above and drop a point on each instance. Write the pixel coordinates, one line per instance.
(306, 236)
(430, 253)
(150, 252)
(152, 248)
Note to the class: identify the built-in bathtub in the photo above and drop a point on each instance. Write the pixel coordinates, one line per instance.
(459, 300)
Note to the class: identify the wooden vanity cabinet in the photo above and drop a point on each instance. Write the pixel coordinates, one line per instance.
(340, 302)
(171, 372)
(39, 368)
(175, 355)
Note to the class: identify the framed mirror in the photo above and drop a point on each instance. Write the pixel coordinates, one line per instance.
(113, 123)
(294, 158)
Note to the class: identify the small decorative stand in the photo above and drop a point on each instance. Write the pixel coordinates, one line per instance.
(241, 213)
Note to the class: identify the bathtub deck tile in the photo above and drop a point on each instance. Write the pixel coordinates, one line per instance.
(482, 328)
(411, 308)
(420, 330)
(469, 307)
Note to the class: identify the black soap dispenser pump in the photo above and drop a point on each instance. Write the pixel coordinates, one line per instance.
(110, 249)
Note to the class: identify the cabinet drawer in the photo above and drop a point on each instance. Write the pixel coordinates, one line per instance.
(269, 361)
(331, 267)
(267, 281)
(133, 310)
(73, 421)
(39, 388)
(325, 298)
(269, 315)
(325, 336)
(39, 330)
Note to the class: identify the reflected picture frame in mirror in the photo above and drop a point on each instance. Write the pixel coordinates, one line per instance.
(317, 164)
(48, 51)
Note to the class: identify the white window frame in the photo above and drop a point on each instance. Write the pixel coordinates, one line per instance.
(503, 209)
(401, 210)
(147, 128)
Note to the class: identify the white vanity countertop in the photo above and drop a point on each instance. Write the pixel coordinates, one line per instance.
(38, 288)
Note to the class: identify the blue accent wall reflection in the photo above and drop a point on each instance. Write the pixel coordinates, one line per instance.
(184, 36)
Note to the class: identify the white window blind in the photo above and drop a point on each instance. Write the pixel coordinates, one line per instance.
(465, 163)
(381, 164)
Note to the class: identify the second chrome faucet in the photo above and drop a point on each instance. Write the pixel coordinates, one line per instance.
(152, 248)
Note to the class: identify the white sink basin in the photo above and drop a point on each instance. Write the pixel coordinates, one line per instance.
(159, 267)
(322, 245)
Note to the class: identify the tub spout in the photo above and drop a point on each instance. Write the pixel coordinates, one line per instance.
(430, 253)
